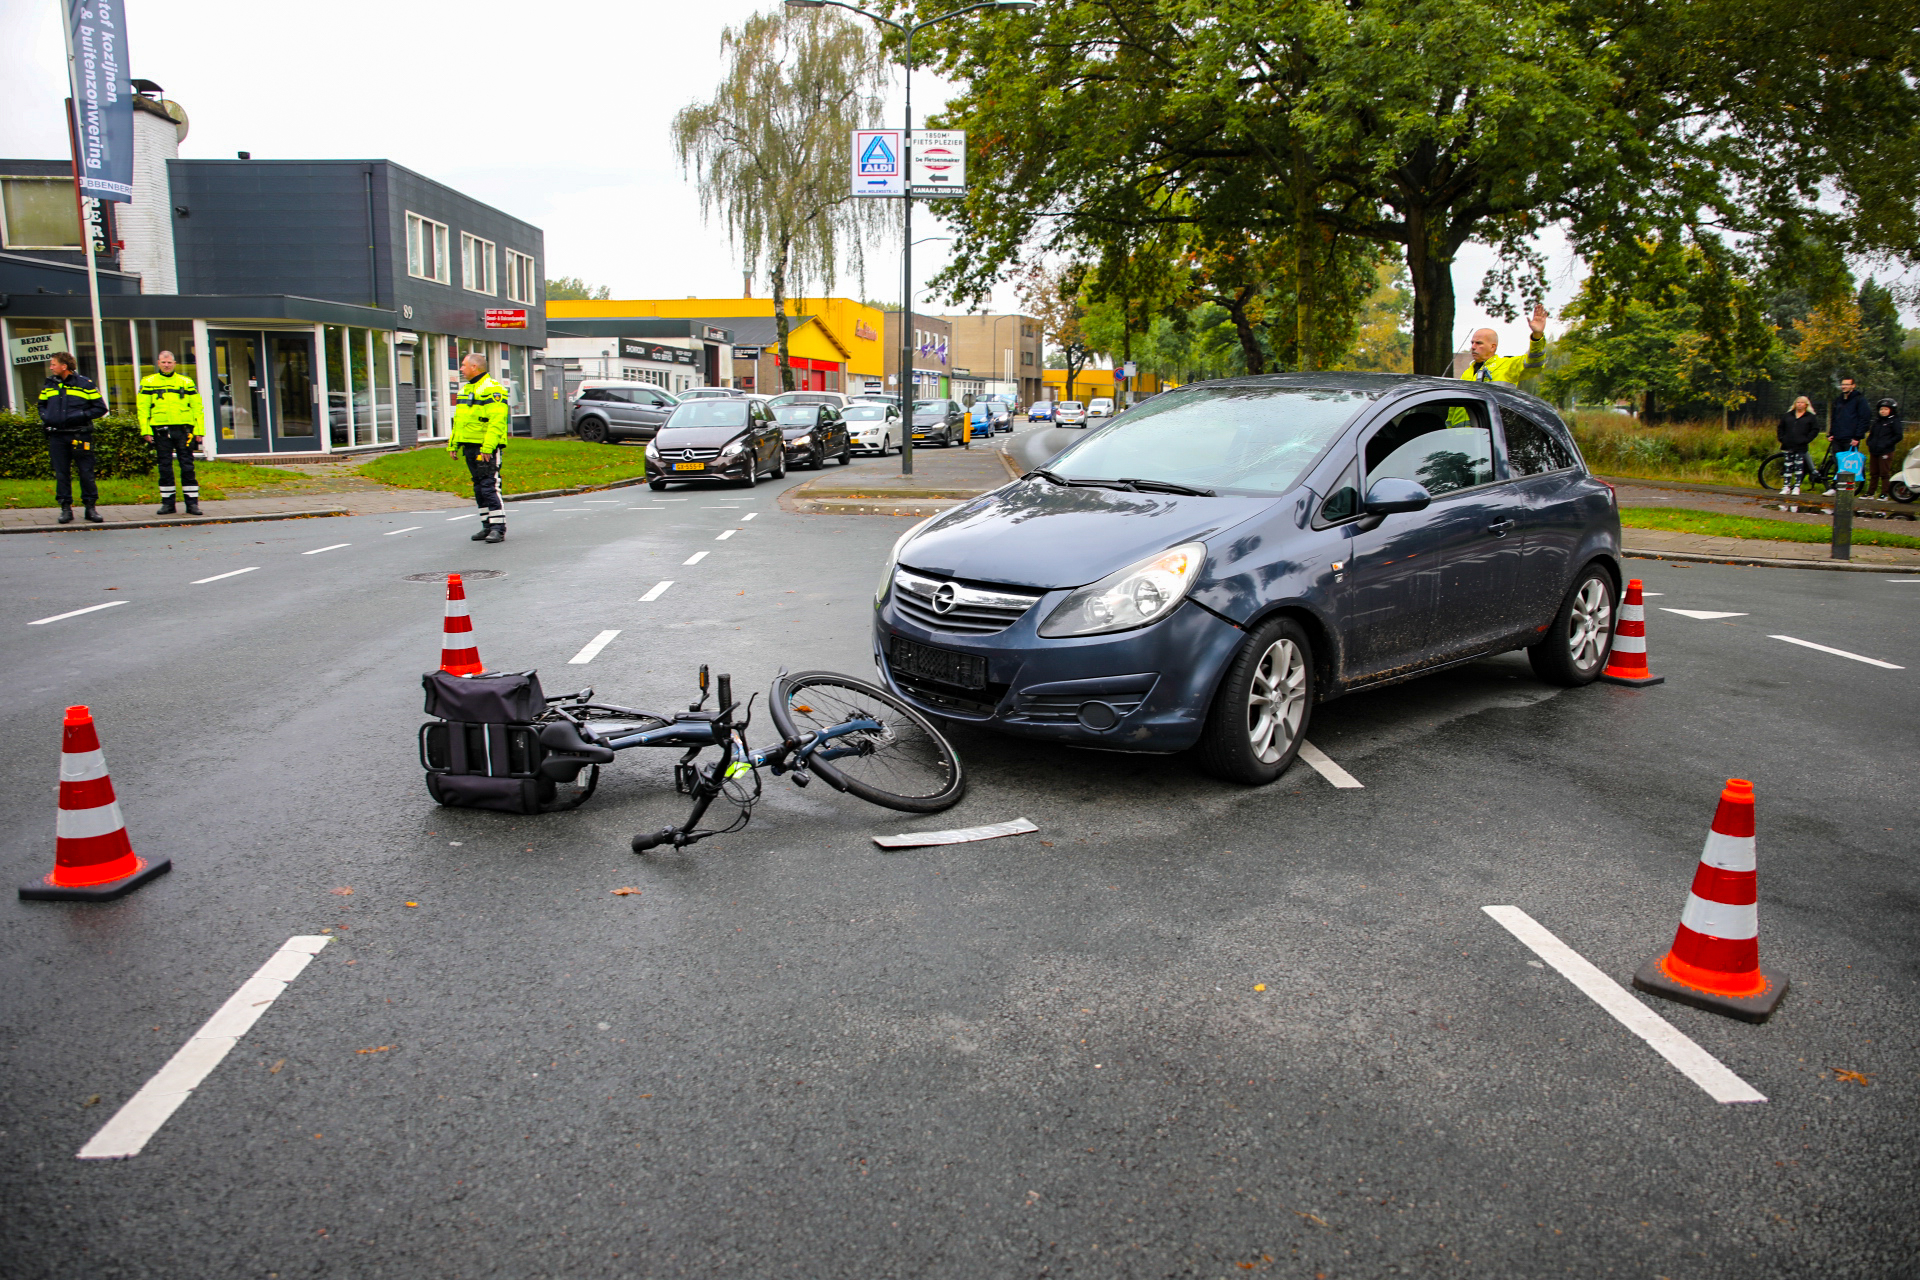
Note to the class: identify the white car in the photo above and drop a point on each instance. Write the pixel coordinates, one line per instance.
(1069, 413)
(833, 398)
(1101, 408)
(712, 393)
(872, 426)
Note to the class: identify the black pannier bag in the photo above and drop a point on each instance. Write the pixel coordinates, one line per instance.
(485, 752)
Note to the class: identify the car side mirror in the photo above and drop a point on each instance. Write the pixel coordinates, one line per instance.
(1393, 495)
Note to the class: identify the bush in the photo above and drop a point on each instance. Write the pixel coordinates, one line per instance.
(1616, 445)
(120, 452)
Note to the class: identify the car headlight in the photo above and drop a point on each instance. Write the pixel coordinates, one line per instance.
(802, 440)
(893, 559)
(733, 450)
(1133, 597)
(653, 453)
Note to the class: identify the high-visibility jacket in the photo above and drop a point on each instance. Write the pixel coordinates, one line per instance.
(1508, 368)
(480, 414)
(170, 400)
(71, 404)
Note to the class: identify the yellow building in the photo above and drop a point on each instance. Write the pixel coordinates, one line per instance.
(833, 344)
(1093, 384)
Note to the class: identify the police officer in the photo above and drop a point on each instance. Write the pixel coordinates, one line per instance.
(480, 435)
(69, 406)
(1488, 367)
(170, 415)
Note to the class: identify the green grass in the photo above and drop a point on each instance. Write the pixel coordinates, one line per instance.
(1700, 452)
(532, 465)
(1683, 520)
(217, 480)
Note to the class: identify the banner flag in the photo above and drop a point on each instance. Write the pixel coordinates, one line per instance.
(102, 98)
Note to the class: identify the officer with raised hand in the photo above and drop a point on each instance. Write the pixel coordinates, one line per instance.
(69, 406)
(480, 435)
(1489, 367)
(170, 416)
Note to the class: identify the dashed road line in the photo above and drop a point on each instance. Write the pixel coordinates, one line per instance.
(1701, 615)
(1689, 1058)
(335, 547)
(1838, 653)
(470, 515)
(74, 613)
(750, 515)
(695, 558)
(412, 528)
(1324, 766)
(593, 647)
(586, 509)
(141, 1117)
(657, 590)
(231, 573)
(728, 534)
(602, 501)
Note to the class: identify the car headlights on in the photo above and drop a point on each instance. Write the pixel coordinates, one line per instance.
(802, 441)
(893, 558)
(1133, 597)
(733, 449)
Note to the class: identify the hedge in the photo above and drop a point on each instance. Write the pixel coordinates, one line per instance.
(120, 452)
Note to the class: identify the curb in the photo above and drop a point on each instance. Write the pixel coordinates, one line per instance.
(80, 527)
(1769, 562)
(1735, 491)
(561, 493)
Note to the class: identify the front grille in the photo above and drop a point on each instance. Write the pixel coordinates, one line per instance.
(675, 453)
(940, 604)
(946, 698)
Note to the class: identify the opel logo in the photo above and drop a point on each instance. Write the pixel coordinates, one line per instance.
(943, 598)
(688, 455)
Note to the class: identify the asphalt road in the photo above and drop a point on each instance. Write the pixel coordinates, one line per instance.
(792, 1054)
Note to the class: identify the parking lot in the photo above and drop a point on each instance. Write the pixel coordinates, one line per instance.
(1186, 1028)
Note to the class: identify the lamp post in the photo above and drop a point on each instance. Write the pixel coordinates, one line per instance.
(906, 240)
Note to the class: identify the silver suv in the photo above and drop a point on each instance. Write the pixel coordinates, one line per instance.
(607, 411)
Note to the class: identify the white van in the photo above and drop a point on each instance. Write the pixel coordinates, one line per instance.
(1102, 408)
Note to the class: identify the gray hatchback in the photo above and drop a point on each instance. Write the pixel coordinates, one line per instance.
(606, 412)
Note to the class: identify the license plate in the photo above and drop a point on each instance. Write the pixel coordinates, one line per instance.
(961, 670)
(689, 466)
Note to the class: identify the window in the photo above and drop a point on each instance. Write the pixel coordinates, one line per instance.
(1532, 450)
(520, 278)
(38, 213)
(427, 249)
(1444, 445)
(1026, 357)
(477, 266)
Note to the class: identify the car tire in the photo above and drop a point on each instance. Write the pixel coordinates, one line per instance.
(1262, 707)
(1574, 650)
(753, 472)
(815, 459)
(846, 453)
(592, 430)
(780, 467)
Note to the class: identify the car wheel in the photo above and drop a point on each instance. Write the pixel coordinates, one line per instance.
(815, 459)
(753, 472)
(780, 466)
(592, 430)
(846, 453)
(1261, 709)
(1580, 636)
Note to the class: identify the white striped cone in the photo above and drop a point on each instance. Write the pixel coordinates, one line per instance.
(459, 654)
(93, 859)
(1627, 662)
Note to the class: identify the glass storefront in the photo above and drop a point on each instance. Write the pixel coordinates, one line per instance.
(25, 380)
(385, 417)
(122, 383)
(339, 416)
(360, 387)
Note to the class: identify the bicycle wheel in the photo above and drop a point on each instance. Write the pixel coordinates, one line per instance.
(906, 765)
(1773, 473)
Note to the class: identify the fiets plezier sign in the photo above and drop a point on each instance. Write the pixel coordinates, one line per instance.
(937, 163)
(505, 317)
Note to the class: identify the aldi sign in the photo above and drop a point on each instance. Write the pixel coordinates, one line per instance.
(939, 163)
(879, 167)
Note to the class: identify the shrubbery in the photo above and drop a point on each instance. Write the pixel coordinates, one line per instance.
(120, 452)
(1617, 445)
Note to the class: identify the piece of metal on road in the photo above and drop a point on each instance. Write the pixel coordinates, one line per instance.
(335, 547)
(1702, 615)
(695, 558)
(1324, 766)
(231, 573)
(142, 1115)
(728, 534)
(964, 835)
(74, 613)
(594, 646)
(1687, 1057)
(1838, 653)
(657, 590)
(412, 528)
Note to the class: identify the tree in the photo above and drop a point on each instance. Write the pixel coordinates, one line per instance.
(1384, 343)
(573, 288)
(1051, 295)
(769, 150)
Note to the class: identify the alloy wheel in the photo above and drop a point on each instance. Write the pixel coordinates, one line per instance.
(1276, 700)
(1590, 624)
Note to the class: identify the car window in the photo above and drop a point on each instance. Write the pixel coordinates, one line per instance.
(797, 415)
(867, 412)
(1532, 450)
(1444, 445)
(1344, 502)
(713, 413)
(596, 394)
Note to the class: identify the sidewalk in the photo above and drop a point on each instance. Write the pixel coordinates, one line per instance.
(941, 478)
(1659, 543)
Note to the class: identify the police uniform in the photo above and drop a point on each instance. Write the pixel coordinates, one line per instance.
(1508, 368)
(480, 435)
(69, 407)
(170, 415)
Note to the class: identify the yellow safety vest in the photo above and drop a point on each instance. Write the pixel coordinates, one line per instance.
(480, 414)
(1508, 368)
(170, 400)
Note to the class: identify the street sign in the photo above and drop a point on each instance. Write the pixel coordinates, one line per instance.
(504, 317)
(746, 353)
(877, 170)
(36, 347)
(939, 163)
(1128, 371)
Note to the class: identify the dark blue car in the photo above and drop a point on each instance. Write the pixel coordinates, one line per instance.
(1202, 571)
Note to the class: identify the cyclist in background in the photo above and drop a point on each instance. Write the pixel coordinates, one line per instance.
(1795, 432)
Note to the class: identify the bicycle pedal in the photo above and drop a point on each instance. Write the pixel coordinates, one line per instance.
(685, 776)
(800, 777)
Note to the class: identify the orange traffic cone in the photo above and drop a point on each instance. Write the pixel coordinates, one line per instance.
(93, 860)
(1714, 963)
(459, 656)
(1627, 663)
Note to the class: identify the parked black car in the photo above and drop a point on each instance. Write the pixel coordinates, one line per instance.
(607, 411)
(1199, 572)
(731, 439)
(814, 433)
(941, 422)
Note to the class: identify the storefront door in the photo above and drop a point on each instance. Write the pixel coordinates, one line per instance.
(266, 392)
(294, 403)
(241, 416)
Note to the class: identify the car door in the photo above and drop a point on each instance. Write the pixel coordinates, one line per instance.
(650, 409)
(1389, 580)
(836, 428)
(1545, 471)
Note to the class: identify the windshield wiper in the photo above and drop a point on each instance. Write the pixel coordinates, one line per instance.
(1075, 482)
(1166, 486)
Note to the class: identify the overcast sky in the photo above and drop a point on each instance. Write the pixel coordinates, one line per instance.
(557, 113)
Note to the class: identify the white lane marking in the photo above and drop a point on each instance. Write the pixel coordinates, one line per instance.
(436, 511)
(573, 509)
(728, 534)
(615, 501)
(143, 1114)
(1704, 615)
(409, 529)
(470, 515)
(92, 608)
(1903, 579)
(695, 558)
(594, 646)
(1689, 1058)
(673, 499)
(1324, 766)
(335, 547)
(750, 515)
(643, 508)
(1838, 653)
(231, 573)
(1648, 595)
(657, 590)
(719, 508)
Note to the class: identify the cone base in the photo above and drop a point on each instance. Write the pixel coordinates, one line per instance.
(1653, 980)
(42, 891)
(1632, 681)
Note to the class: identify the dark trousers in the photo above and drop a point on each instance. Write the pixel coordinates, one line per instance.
(1880, 473)
(486, 481)
(168, 445)
(70, 453)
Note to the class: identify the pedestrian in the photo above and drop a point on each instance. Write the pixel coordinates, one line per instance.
(1795, 432)
(69, 406)
(1851, 419)
(170, 416)
(1489, 367)
(1883, 439)
(480, 435)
